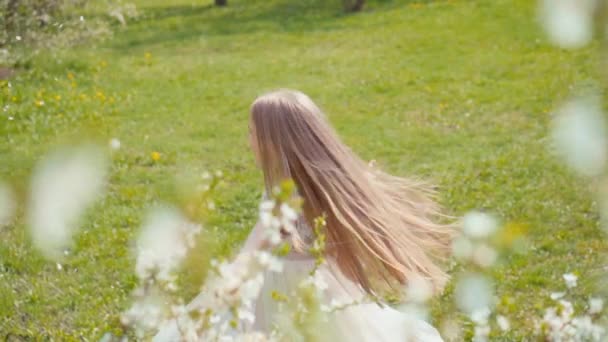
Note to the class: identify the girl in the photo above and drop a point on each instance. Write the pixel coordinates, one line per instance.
(380, 230)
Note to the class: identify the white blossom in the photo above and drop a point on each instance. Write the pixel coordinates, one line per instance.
(317, 281)
(484, 255)
(246, 315)
(480, 318)
(163, 243)
(419, 289)
(579, 135)
(288, 212)
(144, 315)
(478, 225)
(503, 323)
(64, 184)
(473, 292)
(569, 23)
(267, 205)
(462, 248)
(269, 261)
(596, 305)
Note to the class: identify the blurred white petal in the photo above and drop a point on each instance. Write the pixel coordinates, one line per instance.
(596, 305)
(579, 135)
(64, 184)
(484, 255)
(481, 315)
(419, 289)
(462, 248)
(569, 23)
(473, 293)
(7, 204)
(479, 225)
(414, 313)
(451, 330)
(503, 323)
(163, 243)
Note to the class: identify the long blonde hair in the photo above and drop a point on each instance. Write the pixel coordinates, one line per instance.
(381, 229)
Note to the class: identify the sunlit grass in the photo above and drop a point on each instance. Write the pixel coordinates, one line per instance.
(459, 92)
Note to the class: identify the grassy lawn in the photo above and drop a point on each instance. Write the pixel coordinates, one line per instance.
(459, 92)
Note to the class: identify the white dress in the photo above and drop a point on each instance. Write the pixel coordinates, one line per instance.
(359, 322)
(363, 322)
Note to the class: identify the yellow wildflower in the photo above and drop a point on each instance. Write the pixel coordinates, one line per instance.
(39, 103)
(103, 64)
(147, 55)
(100, 95)
(155, 156)
(58, 97)
(70, 76)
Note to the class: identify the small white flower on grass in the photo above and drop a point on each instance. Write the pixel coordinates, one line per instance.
(570, 280)
(557, 295)
(478, 225)
(7, 204)
(59, 267)
(473, 292)
(64, 184)
(596, 305)
(114, 144)
(579, 135)
(569, 23)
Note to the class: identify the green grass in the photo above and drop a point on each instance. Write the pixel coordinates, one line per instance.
(459, 92)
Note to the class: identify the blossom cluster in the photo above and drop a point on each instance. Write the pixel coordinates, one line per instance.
(560, 322)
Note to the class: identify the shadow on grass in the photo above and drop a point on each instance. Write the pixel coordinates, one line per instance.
(178, 23)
